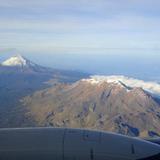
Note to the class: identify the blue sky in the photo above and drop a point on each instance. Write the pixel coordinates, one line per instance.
(80, 26)
(96, 36)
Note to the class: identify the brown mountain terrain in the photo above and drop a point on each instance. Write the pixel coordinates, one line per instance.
(33, 95)
(105, 106)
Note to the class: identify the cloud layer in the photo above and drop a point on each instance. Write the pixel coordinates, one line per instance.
(151, 87)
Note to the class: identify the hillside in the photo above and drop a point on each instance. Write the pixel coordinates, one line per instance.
(107, 105)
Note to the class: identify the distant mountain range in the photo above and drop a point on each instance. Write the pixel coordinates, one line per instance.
(33, 95)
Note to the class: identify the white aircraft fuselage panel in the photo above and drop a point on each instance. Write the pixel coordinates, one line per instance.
(73, 144)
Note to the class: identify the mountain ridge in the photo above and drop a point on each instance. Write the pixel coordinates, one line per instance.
(104, 106)
(148, 86)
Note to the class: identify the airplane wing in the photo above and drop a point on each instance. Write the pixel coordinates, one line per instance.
(154, 140)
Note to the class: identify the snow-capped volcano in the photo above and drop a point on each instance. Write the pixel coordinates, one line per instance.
(17, 61)
(124, 81)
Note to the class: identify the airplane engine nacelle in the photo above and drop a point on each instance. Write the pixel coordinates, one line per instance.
(93, 145)
(73, 144)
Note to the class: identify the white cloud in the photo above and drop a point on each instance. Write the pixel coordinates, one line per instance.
(152, 87)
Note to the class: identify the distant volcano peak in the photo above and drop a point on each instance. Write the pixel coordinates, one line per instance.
(17, 61)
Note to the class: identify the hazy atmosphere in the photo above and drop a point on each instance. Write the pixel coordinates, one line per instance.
(84, 26)
(114, 36)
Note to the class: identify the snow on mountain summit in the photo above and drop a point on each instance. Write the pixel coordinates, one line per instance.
(18, 61)
(127, 82)
(20, 64)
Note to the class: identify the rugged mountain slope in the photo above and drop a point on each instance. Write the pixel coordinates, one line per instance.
(20, 77)
(105, 104)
